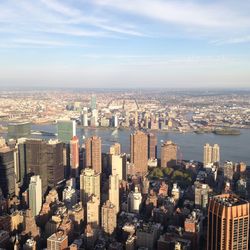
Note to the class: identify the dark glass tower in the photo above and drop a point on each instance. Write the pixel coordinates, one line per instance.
(55, 163)
(36, 160)
(7, 174)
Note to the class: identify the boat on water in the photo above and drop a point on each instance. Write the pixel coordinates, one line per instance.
(227, 131)
(115, 133)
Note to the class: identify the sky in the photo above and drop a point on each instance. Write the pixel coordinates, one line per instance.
(125, 43)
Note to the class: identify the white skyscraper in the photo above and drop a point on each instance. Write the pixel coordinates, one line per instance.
(85, 119)
(134, 201)
(35, 194)
(114, 191)
(119, 168)
(115, 119)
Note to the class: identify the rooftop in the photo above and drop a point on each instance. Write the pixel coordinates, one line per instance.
(229, 200)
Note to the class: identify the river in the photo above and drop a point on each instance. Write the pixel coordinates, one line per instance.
(233, 148)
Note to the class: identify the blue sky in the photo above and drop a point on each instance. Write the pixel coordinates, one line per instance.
(125, 43)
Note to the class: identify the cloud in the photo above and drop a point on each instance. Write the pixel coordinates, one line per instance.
(81, 17)
(189, 15)
(235, 40)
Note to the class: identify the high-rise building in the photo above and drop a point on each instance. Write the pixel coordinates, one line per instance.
(35, 195)
(7, 173)
(201, 191)
(18, 130)
(228, 170)
(152, 146)
(21, 160)
(93, 211)
(175, 192)
(211, 154)
(115, 121)
(57, 241)
(139, 152)
(66, 129)
(228, 223)
(89, 185)
(168, 154)
(69, 196)
(134, 201)
(216, 153)
(109, 217)
(207, 154)
(94, 118)
(115, 149)
(114, 191)
(36, 160)
(74, 157)
(93, 102)
(84, 118)
(93, 150)
(119, 166)
(55, 164)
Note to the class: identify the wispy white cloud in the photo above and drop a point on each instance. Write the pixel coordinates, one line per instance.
(77, 16)
(234, 40)
(189, 15)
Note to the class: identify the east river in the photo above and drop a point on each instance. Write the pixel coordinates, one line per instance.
(234, 148)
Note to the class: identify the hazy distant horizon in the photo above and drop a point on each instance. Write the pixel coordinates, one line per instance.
(146, 89)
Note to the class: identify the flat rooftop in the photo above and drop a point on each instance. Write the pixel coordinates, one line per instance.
(229, 200)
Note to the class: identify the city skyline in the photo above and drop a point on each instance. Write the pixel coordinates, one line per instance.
(111, 44)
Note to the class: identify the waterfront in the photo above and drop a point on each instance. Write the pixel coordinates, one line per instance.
(234, 148)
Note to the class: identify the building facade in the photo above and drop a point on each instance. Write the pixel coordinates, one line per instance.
(228, 223)
(93, 150)
(168, 154)
(139, 152)
(89, 184)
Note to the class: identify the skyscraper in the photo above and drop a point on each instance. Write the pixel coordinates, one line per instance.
(228, 170)
(66, 129)
(21, 153)
(93, 211)
(119, 166)
(7, 174)
(55, 162)
(201, 191)
(35, 195)
(89, 185)
(36, 160)
(93, 150)
(211, 154)
(84, 118)
(115, 149)
(109, 217)
(216, 153)
(168, 154)
(207, 154)
(93, 102)
(134, 201)
(139, 152)
(152, 146)
(74, 157)
(228, 223)
(114, 191)
(18, 130)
